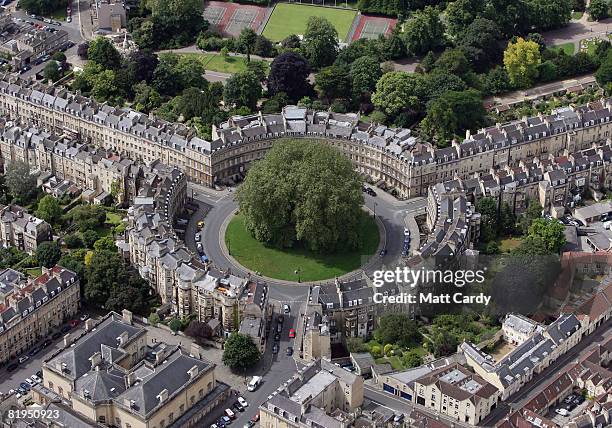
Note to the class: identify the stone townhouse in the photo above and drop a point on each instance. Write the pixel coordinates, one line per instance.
(385, 155)
(531, 356)
(349, 307)
(21, 230)
(109, 376)
(320, 394)
(32, 309)
(458, 393)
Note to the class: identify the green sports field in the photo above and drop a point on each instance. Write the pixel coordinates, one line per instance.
(290, 19)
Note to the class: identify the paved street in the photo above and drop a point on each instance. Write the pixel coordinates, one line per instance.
(11, 380)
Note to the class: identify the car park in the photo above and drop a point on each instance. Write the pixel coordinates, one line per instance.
(569, 398)
(579, 399)
(243, 402)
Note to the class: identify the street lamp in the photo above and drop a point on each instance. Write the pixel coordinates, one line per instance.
(297, 272)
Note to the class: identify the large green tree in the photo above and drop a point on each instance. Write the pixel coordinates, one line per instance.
(599, 9)
(242, 90)
(49, 209)
(289, 73)
(550, 231)
(240, 352)
(397, 329)
(320, 44)
(303, 191)
(364, 73)
(397, 92)
(424, 32)
(20, 182)
(48, 253)
(247, 40)
(102, 51)
(452, 114)
(521, 60)
(333, 82)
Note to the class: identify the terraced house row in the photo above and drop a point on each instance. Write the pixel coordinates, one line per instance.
(185, 283)
(387, 155)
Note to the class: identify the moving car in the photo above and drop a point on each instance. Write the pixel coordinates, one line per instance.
(275, 348)
(289, 351)
(200, 224)
(277, 337)
(383, 252)
(254, 383)
(279, 328)
(198, 237)
(291, 333)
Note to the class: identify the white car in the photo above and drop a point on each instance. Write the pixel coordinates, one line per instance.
(23, 359)
(36, 378)
(406, 231)
(84, 317)
(197, 237)
(30, 381)
(11, 392)
(562, 412)
(286, 309)
(243, 402)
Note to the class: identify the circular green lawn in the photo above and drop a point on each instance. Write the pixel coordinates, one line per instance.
(282, 264)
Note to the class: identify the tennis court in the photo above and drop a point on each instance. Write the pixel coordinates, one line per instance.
(242, 18)
(230, 18)
(370, 27)
(214, 14)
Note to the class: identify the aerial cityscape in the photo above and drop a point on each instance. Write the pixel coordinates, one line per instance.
(279, 214)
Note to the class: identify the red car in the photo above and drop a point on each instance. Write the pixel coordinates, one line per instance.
(291, 333)
(73, 323)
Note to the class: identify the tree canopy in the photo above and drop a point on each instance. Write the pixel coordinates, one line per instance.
(49, 209)
(397, 329)
(521, 60)
(288, 74)
(303, 192)
(320, 44)
(20, 182)
(240, 352)
(48, 253)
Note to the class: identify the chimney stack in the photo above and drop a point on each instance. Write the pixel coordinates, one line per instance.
(127, 316)
(192, 372)
(162, 396)
(196, 350)
(131, 378)
(122, 339)
(67, 340)
(89, 324)
(95, 360)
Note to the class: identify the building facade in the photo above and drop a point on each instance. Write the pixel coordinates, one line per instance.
(32, 309)
(390, 156)
(21, 230)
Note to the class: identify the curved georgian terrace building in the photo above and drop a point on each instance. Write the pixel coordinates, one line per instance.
(384, 154)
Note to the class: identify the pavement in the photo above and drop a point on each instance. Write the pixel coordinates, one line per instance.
(578, 30)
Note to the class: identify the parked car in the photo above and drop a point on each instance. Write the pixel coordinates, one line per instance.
(30, 382)
(279, 328)
(579, 399)
(256, 417)
(73, 323)
(238, 407)
(243, 402)
(23, 359)
(11, 367)
(84, 317)
(249, 424)
(383, 252)
(569, 398)
(277, 337)
(39, 374)
(34, 351)
(291, 333)
(24, 386)
(275, 348)
(200, 224)
(230, 414)
(36, 378)
(198, 237)
(562, 412)
(56, 335)
(398, 418)
(286, 309)
(289, 351)
(200, 248)
(46, 343)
